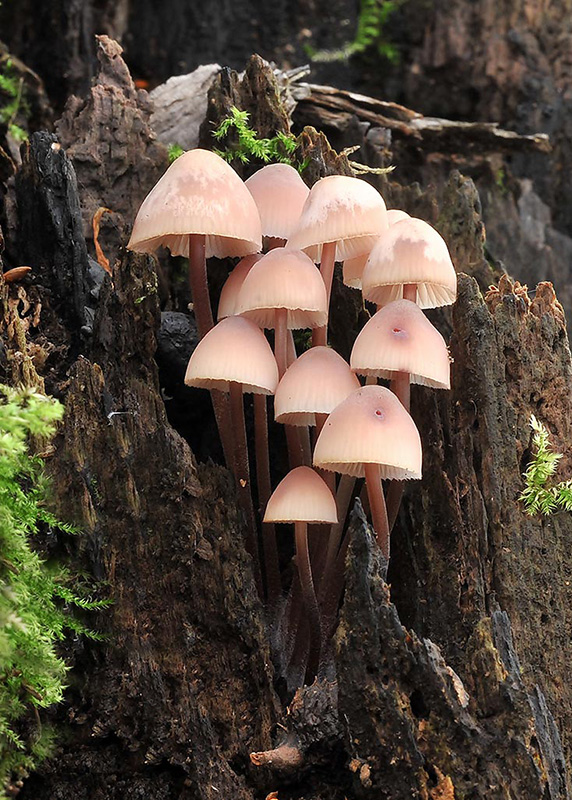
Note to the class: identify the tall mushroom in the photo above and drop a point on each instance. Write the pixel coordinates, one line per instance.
(302, 497)
(283, 291)
(235, 357)
(370, 434)
(410, 260)
(199, 208)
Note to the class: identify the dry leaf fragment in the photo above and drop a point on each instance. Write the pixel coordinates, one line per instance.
(16, 274)
(102, 260)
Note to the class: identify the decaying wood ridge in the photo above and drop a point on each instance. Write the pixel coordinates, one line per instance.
(326, 106)
(453, 683)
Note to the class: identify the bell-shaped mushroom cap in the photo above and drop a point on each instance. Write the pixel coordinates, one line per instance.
(410, 252)
(199, 193)
(229, 293)
(302, 496)
(370, 427)
(400, 338)
(235, 350)
(340, 209)
(284, 278)
(396, 215)
(354, 267)
(280, 194)
(315, 383)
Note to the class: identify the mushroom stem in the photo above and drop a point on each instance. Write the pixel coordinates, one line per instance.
(335, 589)
(343, 499)
(271, 563)
(327, 264)
(242, 475)
(377, 505)
(296, 456)
(199, 284)
(309, 596)
(401, 388)
(281, 340)
(204, 319)
(394, 495)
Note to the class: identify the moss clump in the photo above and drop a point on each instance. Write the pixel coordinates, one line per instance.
(35, 598)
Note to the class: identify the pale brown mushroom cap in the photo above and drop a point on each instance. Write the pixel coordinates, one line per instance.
(400, 338)
(370, 427)
(279, 193)
(200, 193)
(235, 350)
(410, 252)
(229, 293)
(285, 279)
(302, 496)
(315, 383)
(340, 209)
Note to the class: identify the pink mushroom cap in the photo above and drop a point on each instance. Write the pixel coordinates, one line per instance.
(340, 209)
(400, 338)
(200, 193)
(315, 383)
(410, 252)
(302, 496)
(396, 215)
(235, 350)
(280, 194)
(284, 279)
(370, 427)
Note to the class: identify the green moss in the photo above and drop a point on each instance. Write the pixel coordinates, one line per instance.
(175, 151)
(35, 597)
(245, 145)
(536, 496)
(12, 100)
(370, 34)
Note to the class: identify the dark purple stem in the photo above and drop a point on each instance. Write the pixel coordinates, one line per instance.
(242, 475)
(271, 564)
(204, 319)
(377, 507)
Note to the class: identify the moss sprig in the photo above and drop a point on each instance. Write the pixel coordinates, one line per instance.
(14, 103)
(370, 34)
(247, 145)
(536, 496)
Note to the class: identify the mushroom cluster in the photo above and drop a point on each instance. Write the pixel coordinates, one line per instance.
(337, 431)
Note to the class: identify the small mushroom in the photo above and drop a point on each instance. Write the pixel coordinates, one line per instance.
(370, 434)
(410, 260)
(302, 497)
(235, 357)
(279, 193)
